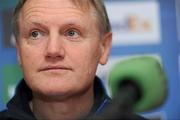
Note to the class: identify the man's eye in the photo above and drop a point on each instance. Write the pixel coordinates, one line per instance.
(35, 34)
(72, 33)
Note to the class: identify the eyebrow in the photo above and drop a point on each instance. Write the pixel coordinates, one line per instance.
(39, 25)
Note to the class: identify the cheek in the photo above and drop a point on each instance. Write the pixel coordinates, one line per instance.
(87, 58)
(29, 59)
(30, 54)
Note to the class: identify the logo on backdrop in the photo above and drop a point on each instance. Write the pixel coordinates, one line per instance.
(131, 26)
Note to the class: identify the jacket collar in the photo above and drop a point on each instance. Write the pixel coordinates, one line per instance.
(18, 106)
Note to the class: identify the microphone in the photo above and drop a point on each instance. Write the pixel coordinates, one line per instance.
(143, 79)
(137, 85)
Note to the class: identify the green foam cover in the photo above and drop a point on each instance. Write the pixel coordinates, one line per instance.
(148, 74)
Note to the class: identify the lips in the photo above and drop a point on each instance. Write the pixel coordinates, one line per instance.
(54, 68)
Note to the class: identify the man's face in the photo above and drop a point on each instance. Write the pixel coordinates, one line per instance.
(59, 47)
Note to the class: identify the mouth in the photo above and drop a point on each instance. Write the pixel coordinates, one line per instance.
(55, 68)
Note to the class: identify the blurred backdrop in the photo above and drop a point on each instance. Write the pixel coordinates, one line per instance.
(140, 27)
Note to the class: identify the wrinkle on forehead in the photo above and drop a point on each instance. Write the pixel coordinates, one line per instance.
(39, 12)
(84, 5)
(54, 8)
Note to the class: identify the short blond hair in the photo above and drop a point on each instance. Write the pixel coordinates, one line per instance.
(98, 5)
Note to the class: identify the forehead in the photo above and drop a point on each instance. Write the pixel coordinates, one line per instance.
(43, 8)
(49, 3)
(58, 5)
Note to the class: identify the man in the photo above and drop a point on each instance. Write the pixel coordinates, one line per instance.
(59, 45)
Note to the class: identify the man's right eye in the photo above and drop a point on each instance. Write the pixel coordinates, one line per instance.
(35, 34)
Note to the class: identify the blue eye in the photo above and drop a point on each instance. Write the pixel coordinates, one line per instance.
(35, 34)
(72, 33)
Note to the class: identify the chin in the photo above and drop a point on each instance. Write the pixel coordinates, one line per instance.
(51, 94)
(55, 91)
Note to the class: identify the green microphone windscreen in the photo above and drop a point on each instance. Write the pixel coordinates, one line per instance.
(148, 75)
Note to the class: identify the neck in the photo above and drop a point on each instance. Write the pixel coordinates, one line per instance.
(70, 108)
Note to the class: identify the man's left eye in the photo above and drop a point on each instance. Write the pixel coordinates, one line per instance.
(72, 33)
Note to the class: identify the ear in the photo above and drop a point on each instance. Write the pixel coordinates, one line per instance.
(105, 48)
(18, 52)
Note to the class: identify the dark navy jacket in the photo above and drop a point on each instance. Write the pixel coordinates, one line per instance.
(18, 107)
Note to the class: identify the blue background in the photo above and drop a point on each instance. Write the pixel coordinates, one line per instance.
(168, 49)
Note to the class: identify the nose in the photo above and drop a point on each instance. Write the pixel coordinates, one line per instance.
(55, 48)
